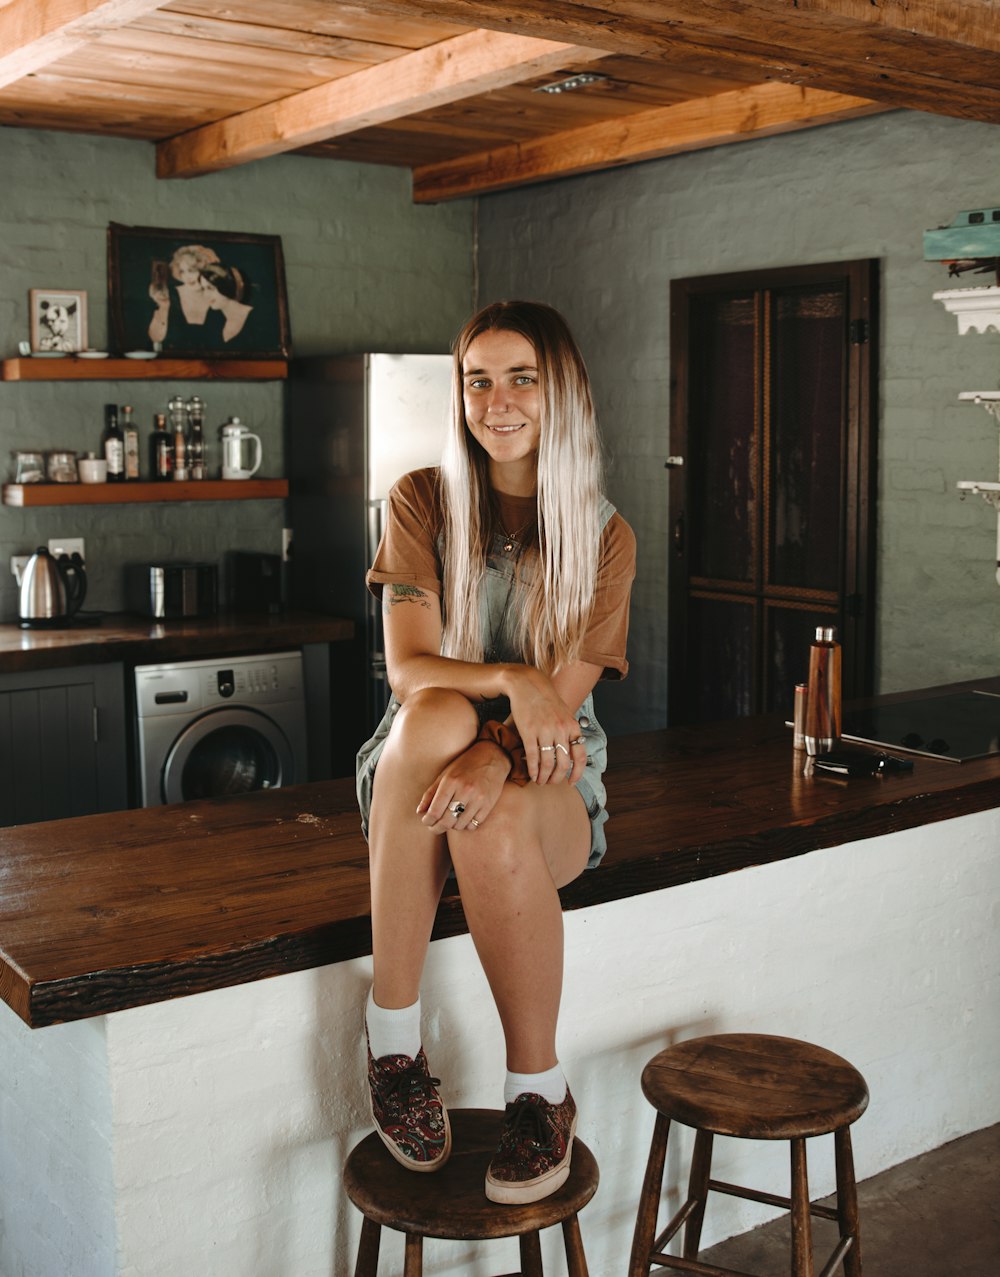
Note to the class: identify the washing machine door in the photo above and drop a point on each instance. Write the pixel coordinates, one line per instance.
(227, 751)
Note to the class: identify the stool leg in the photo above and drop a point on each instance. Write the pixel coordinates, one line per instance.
(649, 1200)
(531, 1254)
(701, 1169)
(413, 1264)
(576, 1260)
(367, 1265)
(847, 1200)
(802, 1260)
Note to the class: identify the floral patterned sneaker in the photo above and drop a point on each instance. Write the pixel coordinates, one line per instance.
(409, 1117)
(532, 1159)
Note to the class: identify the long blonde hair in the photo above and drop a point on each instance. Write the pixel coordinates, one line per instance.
(558, 602)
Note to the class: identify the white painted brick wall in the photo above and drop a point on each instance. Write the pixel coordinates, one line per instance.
(229, 1114)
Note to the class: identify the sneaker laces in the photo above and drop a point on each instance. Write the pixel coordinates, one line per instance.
(529, 1120)
(407, 1084)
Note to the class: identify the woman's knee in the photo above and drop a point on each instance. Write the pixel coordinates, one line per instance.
(435, 720)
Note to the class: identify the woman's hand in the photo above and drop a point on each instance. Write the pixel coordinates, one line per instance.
(553, 743)
(473, 781)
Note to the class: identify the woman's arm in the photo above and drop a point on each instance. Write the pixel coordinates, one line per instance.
(543, 709)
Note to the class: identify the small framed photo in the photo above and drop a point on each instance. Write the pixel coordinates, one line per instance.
(58, 320)
(197, 294)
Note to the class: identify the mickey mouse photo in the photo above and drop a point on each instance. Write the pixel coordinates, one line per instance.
(58, 321)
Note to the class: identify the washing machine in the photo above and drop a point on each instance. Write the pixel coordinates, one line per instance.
(206, 729)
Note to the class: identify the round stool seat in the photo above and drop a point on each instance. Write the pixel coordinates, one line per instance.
(452, 1203)
(755, 1086)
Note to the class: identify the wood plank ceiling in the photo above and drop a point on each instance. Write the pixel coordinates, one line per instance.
(449, 88)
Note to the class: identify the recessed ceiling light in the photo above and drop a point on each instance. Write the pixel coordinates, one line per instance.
(580, 81)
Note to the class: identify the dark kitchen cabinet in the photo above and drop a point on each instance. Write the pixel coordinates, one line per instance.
(62, 743)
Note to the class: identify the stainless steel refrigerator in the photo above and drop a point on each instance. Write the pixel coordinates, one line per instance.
(356, 423)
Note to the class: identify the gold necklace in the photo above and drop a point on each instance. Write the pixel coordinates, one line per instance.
(510, 539)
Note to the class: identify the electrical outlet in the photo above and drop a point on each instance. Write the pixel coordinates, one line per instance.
(286, 544)
(18, 562)
(66, 545)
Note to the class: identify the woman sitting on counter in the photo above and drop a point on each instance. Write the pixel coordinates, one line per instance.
(505, 578)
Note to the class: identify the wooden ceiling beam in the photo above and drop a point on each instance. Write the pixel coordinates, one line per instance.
(737, 116)
(34, 33)
(932, 55)
(441, 73)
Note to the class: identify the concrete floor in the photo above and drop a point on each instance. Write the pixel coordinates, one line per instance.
(937, 1215)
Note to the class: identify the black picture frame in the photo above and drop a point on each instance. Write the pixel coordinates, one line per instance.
(197, 294)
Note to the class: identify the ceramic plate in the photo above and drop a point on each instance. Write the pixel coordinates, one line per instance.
(140, 354)
(91, 354)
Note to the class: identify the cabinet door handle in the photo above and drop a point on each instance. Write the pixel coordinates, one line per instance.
(97, 727)
(679, 534)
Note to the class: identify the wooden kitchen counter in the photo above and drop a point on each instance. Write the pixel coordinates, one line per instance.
(140, 641)
(106, 912)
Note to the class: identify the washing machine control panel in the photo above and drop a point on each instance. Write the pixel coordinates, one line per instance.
(194, 685)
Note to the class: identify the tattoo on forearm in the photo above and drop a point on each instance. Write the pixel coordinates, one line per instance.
(403, 594)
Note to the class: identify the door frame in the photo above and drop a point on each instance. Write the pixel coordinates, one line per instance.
(860, 470)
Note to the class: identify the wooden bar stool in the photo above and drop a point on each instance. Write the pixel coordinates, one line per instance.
(751, 1086)
(451, 1203)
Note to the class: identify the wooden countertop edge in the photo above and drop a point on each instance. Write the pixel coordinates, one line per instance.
(50, 1002)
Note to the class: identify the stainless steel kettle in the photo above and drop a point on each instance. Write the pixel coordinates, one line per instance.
(52, 590)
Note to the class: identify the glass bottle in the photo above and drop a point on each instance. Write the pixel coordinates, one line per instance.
(823, 698)
(131, 443)
(113, 444)
(196, 438)
(161, 449)
(178, 430)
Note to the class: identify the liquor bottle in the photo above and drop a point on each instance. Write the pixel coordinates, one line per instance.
(131, 442)
(178, 424)
(161, 449)
(196, 438)
(823, 698)
(113, 443)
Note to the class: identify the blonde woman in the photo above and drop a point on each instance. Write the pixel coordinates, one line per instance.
(185, 269)
(504, 578)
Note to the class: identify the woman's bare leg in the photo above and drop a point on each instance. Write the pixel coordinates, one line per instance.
(409, 864)
(509, 870)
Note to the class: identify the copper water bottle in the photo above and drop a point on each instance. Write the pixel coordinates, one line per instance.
(823, 703)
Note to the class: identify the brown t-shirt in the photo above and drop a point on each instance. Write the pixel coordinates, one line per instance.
(408, 555)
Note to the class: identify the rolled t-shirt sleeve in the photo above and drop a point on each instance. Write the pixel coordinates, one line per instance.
(606, 637)
(407, 553)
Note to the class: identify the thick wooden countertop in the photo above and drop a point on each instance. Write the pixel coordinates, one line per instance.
(106, 912)
(140, 641)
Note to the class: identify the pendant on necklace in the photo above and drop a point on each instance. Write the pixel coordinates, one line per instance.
(508, 545)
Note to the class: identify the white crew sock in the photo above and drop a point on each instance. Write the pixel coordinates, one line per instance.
(392, 1032)
(550, 1085)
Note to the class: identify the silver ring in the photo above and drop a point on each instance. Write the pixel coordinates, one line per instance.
(546, 749)
(580, 740)
(473, 823)
(564, 749)
(456, 809)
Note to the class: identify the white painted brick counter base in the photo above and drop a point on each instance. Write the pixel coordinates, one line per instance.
(207, 1134)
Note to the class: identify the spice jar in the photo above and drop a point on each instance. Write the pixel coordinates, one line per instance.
(62, 467)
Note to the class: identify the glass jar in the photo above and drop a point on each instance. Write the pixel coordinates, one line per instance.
(62, 467)
(29, 467)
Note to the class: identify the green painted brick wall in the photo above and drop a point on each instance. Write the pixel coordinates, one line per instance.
(366, 269)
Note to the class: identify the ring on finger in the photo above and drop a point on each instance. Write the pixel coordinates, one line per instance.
(456, 809)
(473, 823)
(564, 749)
(547, 749)
(579, 740)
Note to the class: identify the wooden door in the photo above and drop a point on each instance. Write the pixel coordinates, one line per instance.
(772, 494)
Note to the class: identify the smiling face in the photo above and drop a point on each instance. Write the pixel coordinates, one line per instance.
(503, 406)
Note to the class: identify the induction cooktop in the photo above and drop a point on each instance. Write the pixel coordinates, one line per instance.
(957, 727)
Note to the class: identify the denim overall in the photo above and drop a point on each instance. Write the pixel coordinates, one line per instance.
(498, 609)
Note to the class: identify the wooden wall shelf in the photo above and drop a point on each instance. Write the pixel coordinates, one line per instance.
(39, 494)
(159, 369)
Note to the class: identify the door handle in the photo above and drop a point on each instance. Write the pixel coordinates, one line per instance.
(679, 534)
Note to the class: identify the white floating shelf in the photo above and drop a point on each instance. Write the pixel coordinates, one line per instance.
(977, 309)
